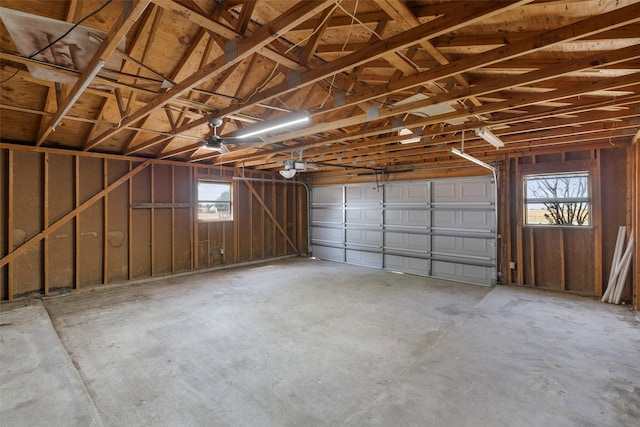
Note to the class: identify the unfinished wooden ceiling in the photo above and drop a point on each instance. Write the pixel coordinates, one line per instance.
(536, 73)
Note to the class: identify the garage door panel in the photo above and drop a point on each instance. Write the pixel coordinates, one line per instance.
(464, 220)
(363, 194)
(441, 228)
(467, 190)
(364, 216)
(327, 234)
(328, 253)
(463, 246)
(414, 242)
(408, 218)
(327, 194)
(364, 258)
(326, 215)
(407, 264)
(364, 237)
(461, 272)
(411, 192)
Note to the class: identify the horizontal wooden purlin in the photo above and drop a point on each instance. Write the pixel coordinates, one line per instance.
(376, 50)
(99, 58)
(517, 101)
(250, 45)
(474, 12)
(538, 131)
(161, 205)
(542, 40)
(99, 80)
(581, 107)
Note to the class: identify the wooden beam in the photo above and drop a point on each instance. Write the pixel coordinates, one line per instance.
(73, 214)
(271, 215)
(298, 13)
(117, 33)
(475, 12)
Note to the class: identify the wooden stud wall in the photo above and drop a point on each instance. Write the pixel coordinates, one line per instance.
(577, 260)
(89, 220)
(112, 219)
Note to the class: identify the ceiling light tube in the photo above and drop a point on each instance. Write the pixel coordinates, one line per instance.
(406, 132)
(271, 125)
(488, 136)
(472, 159)
(78, 92)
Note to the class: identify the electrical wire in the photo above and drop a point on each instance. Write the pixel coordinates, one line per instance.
(268, 80)
(65, 34)
(344, 46)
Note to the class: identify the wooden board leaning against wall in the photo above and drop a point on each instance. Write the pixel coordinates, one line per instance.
(78, 220)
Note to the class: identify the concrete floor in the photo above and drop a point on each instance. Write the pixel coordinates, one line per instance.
(312, 343)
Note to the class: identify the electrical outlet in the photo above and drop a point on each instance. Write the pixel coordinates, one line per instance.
(221, 251)
(512, 265)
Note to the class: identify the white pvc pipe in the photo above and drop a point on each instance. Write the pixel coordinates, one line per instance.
(623, 275)
(611, 283)
(627, 254)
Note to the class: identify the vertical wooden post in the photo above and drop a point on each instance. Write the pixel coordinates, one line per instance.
(194, 218)
(532, 257)
(506, 215)
(45, 224)
(285, 216)
(262, 229)
(563, 279)
(152, 221)
(596, 222)
(251, 221)
(173, 222)
(130, 225)
(274, 234)
(11, 185)
(519, 236)
(78, 233)
(105, 223)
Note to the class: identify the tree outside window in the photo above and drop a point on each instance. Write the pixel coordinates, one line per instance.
(558, 199)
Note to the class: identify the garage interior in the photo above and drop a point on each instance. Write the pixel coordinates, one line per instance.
(320, 212)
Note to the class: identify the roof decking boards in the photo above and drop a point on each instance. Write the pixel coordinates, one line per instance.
(538, 73)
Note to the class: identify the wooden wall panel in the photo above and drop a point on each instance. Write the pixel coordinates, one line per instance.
(118, 230)
(548, 257)
(578, 246)
(61, 264)
(27, 221)
(141, 238)
(614, 185)
(91, 222)
(162, 241)
(140, 228)
(182, 243)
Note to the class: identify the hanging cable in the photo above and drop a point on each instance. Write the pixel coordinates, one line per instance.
(65, 34)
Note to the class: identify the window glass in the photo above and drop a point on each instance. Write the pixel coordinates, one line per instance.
(558, 199)
(214, 201)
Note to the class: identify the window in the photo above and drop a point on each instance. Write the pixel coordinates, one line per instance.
(558, 199)
(214, 201)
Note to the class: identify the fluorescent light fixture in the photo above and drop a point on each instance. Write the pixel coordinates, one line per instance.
(405, 132)
(271, 125)
(83, 86)
(488, 136)
(472, 159)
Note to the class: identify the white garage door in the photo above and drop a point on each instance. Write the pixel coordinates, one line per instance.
(439, 228)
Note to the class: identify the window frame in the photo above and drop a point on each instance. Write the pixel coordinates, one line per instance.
(588, 198)
(199, 200)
